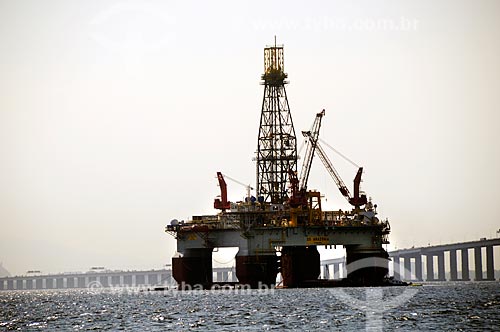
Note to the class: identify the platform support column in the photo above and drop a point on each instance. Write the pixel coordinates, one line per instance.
(194, 269)
(366, 266)
(299, 264)
(258, 270)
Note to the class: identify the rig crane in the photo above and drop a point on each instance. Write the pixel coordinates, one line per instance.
(222, 203)
(356, 200)
(313, 136)
(247, 186)
(299, 187)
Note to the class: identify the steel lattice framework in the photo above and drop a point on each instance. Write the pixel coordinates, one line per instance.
(277, 144)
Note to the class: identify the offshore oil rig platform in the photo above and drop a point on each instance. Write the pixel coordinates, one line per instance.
(278, 230)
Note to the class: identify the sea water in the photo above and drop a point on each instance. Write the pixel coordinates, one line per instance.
(459, 306)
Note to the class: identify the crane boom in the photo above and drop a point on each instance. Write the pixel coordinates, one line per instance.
(313, 136)
(333, 172)
(299, 186)
(247, 186)
(222, 203)
(357, 200)
(238, 182)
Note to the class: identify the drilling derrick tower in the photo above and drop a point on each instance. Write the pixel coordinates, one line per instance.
(277, 145)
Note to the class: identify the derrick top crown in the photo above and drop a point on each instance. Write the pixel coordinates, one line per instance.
(274, 65)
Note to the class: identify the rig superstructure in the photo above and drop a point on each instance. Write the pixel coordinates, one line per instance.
(284, 217)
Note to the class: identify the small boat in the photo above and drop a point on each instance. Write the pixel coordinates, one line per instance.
(391, 281)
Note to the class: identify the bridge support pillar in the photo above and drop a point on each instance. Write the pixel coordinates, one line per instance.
(490, 266)
(478, 264)
(326, 271)
(465, 265)
(38, 283)
(453, 265)
(71, 282)
(19, 284)
(153, 279)
(441, 274)
(29, 283)
(140, 279)
(407, 265)
(418, 267)
(336, 271)
(115, 281)
(430, 267)
(80, 282)
(104, 281)
(49, 283)
(396, 267)
(127, 280)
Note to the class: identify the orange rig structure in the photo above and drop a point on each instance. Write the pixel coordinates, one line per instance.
(278, 229)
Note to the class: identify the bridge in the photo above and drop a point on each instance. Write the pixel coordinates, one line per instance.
(105, 278)
(407, 264)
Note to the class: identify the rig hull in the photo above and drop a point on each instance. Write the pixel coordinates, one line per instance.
(257, 262)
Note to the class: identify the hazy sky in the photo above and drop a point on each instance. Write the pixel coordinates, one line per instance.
(115, 117)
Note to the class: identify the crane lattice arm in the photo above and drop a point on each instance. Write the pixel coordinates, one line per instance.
(333, 172)
(357, 200)
(247, 186)
(313, 136)
(299, 187)
(238, 182)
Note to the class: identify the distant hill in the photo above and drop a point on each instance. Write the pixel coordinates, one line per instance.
(3, 271)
